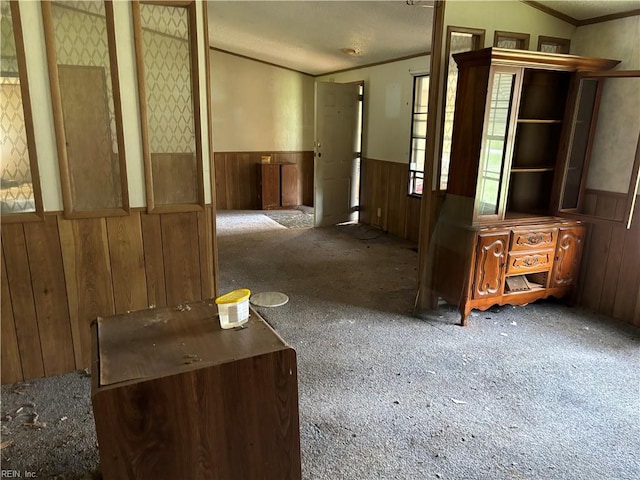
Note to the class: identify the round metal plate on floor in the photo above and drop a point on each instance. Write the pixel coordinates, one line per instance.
(269, 299)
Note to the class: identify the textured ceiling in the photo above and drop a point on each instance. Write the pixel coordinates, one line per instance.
(307, 35)
(586, 9)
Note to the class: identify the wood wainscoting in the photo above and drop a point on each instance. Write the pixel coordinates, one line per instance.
(237, 177)
(384, 187)
(610, 276)
(604, 204)
(58, 275)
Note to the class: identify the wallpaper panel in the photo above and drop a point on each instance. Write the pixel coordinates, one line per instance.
(168, 78)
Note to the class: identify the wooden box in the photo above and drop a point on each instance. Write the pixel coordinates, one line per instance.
(175, 396)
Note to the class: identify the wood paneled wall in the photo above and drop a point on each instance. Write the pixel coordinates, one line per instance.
(237, 179)
(384, 187)
(59, 275)
(611, 268)
(605, 204)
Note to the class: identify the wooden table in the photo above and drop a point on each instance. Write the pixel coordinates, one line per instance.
(177, 397)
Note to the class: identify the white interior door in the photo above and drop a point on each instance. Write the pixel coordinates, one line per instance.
(336, 152)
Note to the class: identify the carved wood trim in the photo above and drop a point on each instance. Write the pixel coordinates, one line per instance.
(486, 285)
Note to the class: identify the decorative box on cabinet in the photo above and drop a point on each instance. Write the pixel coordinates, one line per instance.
(176, 396)
(497, 240)
(277, 185)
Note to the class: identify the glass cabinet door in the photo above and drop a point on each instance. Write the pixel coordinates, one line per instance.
(601, 172)
(496, 147)
(578, 153)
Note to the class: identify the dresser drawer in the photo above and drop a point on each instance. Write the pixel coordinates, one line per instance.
(533, 239)
(521, 263)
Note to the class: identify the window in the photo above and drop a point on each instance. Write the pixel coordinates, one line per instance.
(553, 44)
(20, 184)
(516, 41)
(459, 39)
(418, 133)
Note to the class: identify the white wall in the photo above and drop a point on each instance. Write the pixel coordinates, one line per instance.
(36, 61)
(617, 39)
(388, 98)
(259, 107)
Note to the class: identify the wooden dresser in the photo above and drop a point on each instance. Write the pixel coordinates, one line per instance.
(176, 396)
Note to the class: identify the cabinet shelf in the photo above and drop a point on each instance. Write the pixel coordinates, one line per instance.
(540, 169)
(539, 121)
(522, 292)
(516, 284)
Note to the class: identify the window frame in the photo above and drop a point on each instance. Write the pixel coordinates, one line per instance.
(522, 39)
(563, 43)
(38, 214)
(416, 174)
(190, 6)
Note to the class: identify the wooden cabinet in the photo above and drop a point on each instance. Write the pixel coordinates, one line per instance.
(176, 396)
(497, 236)
(277, 185)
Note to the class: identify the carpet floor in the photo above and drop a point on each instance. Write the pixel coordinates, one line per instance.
(543, 391)
(301, 217)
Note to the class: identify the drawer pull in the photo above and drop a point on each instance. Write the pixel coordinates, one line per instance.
(534, 239)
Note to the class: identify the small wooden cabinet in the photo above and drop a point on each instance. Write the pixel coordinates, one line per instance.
(277, 185)
(497, 240)
(176, 396)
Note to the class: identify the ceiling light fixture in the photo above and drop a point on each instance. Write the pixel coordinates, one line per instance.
(352, 52)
